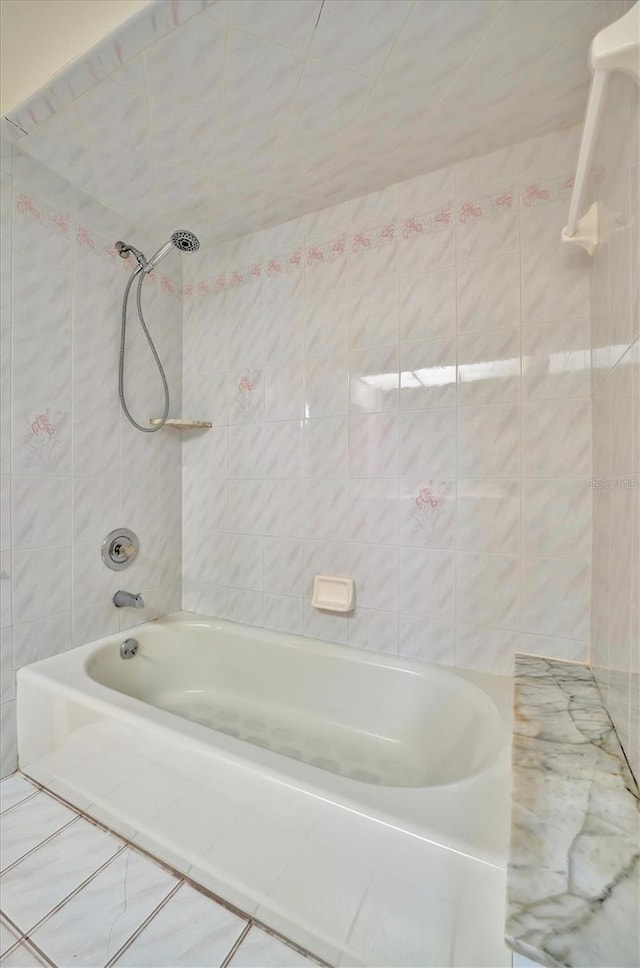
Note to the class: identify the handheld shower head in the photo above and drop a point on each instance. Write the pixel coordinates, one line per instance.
(182, 239)
(185, 241)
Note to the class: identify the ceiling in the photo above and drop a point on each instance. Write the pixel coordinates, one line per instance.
(256, 111)
(65, 30)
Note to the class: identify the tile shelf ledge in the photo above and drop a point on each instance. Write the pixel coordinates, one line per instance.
(573, 878)
(180, 424)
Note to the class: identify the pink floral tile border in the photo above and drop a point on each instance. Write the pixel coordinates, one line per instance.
(63, 224)
(310, 254)
(398, 230)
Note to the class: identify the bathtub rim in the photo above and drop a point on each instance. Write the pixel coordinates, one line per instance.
(67, 674)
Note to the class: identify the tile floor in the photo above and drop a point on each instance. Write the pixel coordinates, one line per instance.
(72, 893)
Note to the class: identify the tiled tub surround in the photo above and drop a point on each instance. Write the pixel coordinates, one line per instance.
(400, 387)
(615, 292)
(573, 882)
(73, 892)
(360, 873)
(72, 468)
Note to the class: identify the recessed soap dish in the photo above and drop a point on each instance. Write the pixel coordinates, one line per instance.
(333, 594)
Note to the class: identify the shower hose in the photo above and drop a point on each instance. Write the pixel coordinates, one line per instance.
(123, 334)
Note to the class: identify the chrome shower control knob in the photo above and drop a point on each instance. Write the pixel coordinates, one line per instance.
(120, 548)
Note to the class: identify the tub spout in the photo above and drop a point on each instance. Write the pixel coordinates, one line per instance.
(128, 600)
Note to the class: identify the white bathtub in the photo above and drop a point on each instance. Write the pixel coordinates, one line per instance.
(356, 802)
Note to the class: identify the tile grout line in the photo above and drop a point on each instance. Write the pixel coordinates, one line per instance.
(147, 921)
(71, 894)
(19, 803)
(41, 843)
(184, 878)
(8, 923)
(32, 947)
(239, 940)
(11, 924)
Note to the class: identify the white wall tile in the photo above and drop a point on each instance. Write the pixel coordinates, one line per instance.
(556, 518)
(284, 392)
(489, 294)
(41, 511)
(427, 583)
(374, 630)
(554, 285)
(557, 359)
(555, 597)
(326, 442)
(284, 614)
(488, 590)
(326, 509)
(556, 439)
(284, 449)
(8, 738)
(245, 508)
(246, 451)
(487, 649)
(427, 639)
(427, 444)
(7, 674)
(245, 606)
(373, 511)
(411, 426)
(488, 236)
(284, 508)
(489, 441)
(205, 557)
(245, 563)
(283, 567)
(327, 387)
(374, 569)
(373, 445)
(374, 380)
(373, 316)
(41, 583)
(428, 374)
(489, 367)
(489, 516)
(40, 639)
(428, 305)
(95, 621)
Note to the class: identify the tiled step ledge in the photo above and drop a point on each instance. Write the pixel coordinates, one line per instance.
(573, 881)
